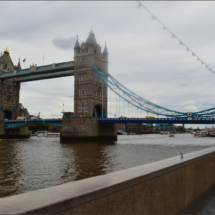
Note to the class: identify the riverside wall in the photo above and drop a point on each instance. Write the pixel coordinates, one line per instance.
(164, 187)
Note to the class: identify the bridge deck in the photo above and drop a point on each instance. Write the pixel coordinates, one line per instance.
(9, 124)
(159, 120)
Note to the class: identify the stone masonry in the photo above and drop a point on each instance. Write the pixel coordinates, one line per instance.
(88, 86)
(9, 90)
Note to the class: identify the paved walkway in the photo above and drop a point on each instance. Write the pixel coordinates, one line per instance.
(204, 205)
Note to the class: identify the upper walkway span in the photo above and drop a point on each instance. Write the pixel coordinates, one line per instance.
(54, 70)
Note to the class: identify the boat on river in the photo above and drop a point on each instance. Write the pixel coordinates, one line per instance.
(212, 134)
(203, 133)
(171, 135)
(120, 132)
(48, 134)
(163, 133)
(196, 134)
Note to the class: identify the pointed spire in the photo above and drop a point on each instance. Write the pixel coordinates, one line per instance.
(105, 49)
(6, 51)
(1, 59)
(19, 65)
(77, 46)
(91, 40)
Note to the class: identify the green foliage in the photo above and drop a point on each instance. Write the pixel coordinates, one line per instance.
(182, 128)
(39, 127)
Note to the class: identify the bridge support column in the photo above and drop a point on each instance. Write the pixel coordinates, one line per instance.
(108, 131)
(86, 130)
(13, 133)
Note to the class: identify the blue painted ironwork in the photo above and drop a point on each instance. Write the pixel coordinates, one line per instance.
(44, 76)
(9, 124)
(182, 120)
(41, 69)
(144, 104)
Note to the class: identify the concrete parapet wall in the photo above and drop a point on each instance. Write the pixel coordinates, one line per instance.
(164, 187)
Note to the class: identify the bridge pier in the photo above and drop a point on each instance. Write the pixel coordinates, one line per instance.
(87, 130)
(13, 133)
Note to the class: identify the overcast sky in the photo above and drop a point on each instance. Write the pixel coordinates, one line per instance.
(142, 56)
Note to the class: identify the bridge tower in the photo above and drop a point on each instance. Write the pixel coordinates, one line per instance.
(88, 98)
(9, 90)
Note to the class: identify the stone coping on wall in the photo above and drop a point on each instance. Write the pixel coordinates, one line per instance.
(70, 195)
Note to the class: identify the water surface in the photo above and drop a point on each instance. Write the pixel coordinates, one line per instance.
(40, 162)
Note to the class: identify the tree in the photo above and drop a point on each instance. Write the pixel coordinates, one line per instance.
(38, 127)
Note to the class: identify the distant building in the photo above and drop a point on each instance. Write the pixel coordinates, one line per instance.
(121, 127)
(164, 127)
(136, 128)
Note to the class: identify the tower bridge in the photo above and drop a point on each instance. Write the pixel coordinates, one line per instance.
(91, 83)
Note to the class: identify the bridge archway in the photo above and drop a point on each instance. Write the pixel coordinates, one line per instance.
(7, 115)
(97, 111)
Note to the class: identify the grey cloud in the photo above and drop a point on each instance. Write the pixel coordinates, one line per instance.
(122, 74)
(64, 43)
(183, 83)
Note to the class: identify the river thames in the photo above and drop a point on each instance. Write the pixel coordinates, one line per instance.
(39, 162)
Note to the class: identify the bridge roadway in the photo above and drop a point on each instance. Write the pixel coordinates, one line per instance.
(54, 70)
(10, 124)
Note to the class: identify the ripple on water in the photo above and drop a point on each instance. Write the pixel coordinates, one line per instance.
(27, 165)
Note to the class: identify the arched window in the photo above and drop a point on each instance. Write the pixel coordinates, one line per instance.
(8, 99)
(8, 89)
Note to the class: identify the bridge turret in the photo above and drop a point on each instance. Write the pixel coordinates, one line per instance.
(1, 62)
(105, 56)
(76, 48)
(18, 65)
(88, 98)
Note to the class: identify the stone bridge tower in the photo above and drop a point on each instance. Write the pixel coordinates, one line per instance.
(88, 98)
(9, 90)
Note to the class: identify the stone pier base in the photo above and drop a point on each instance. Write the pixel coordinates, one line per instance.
(17, 133)
(87, 130)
